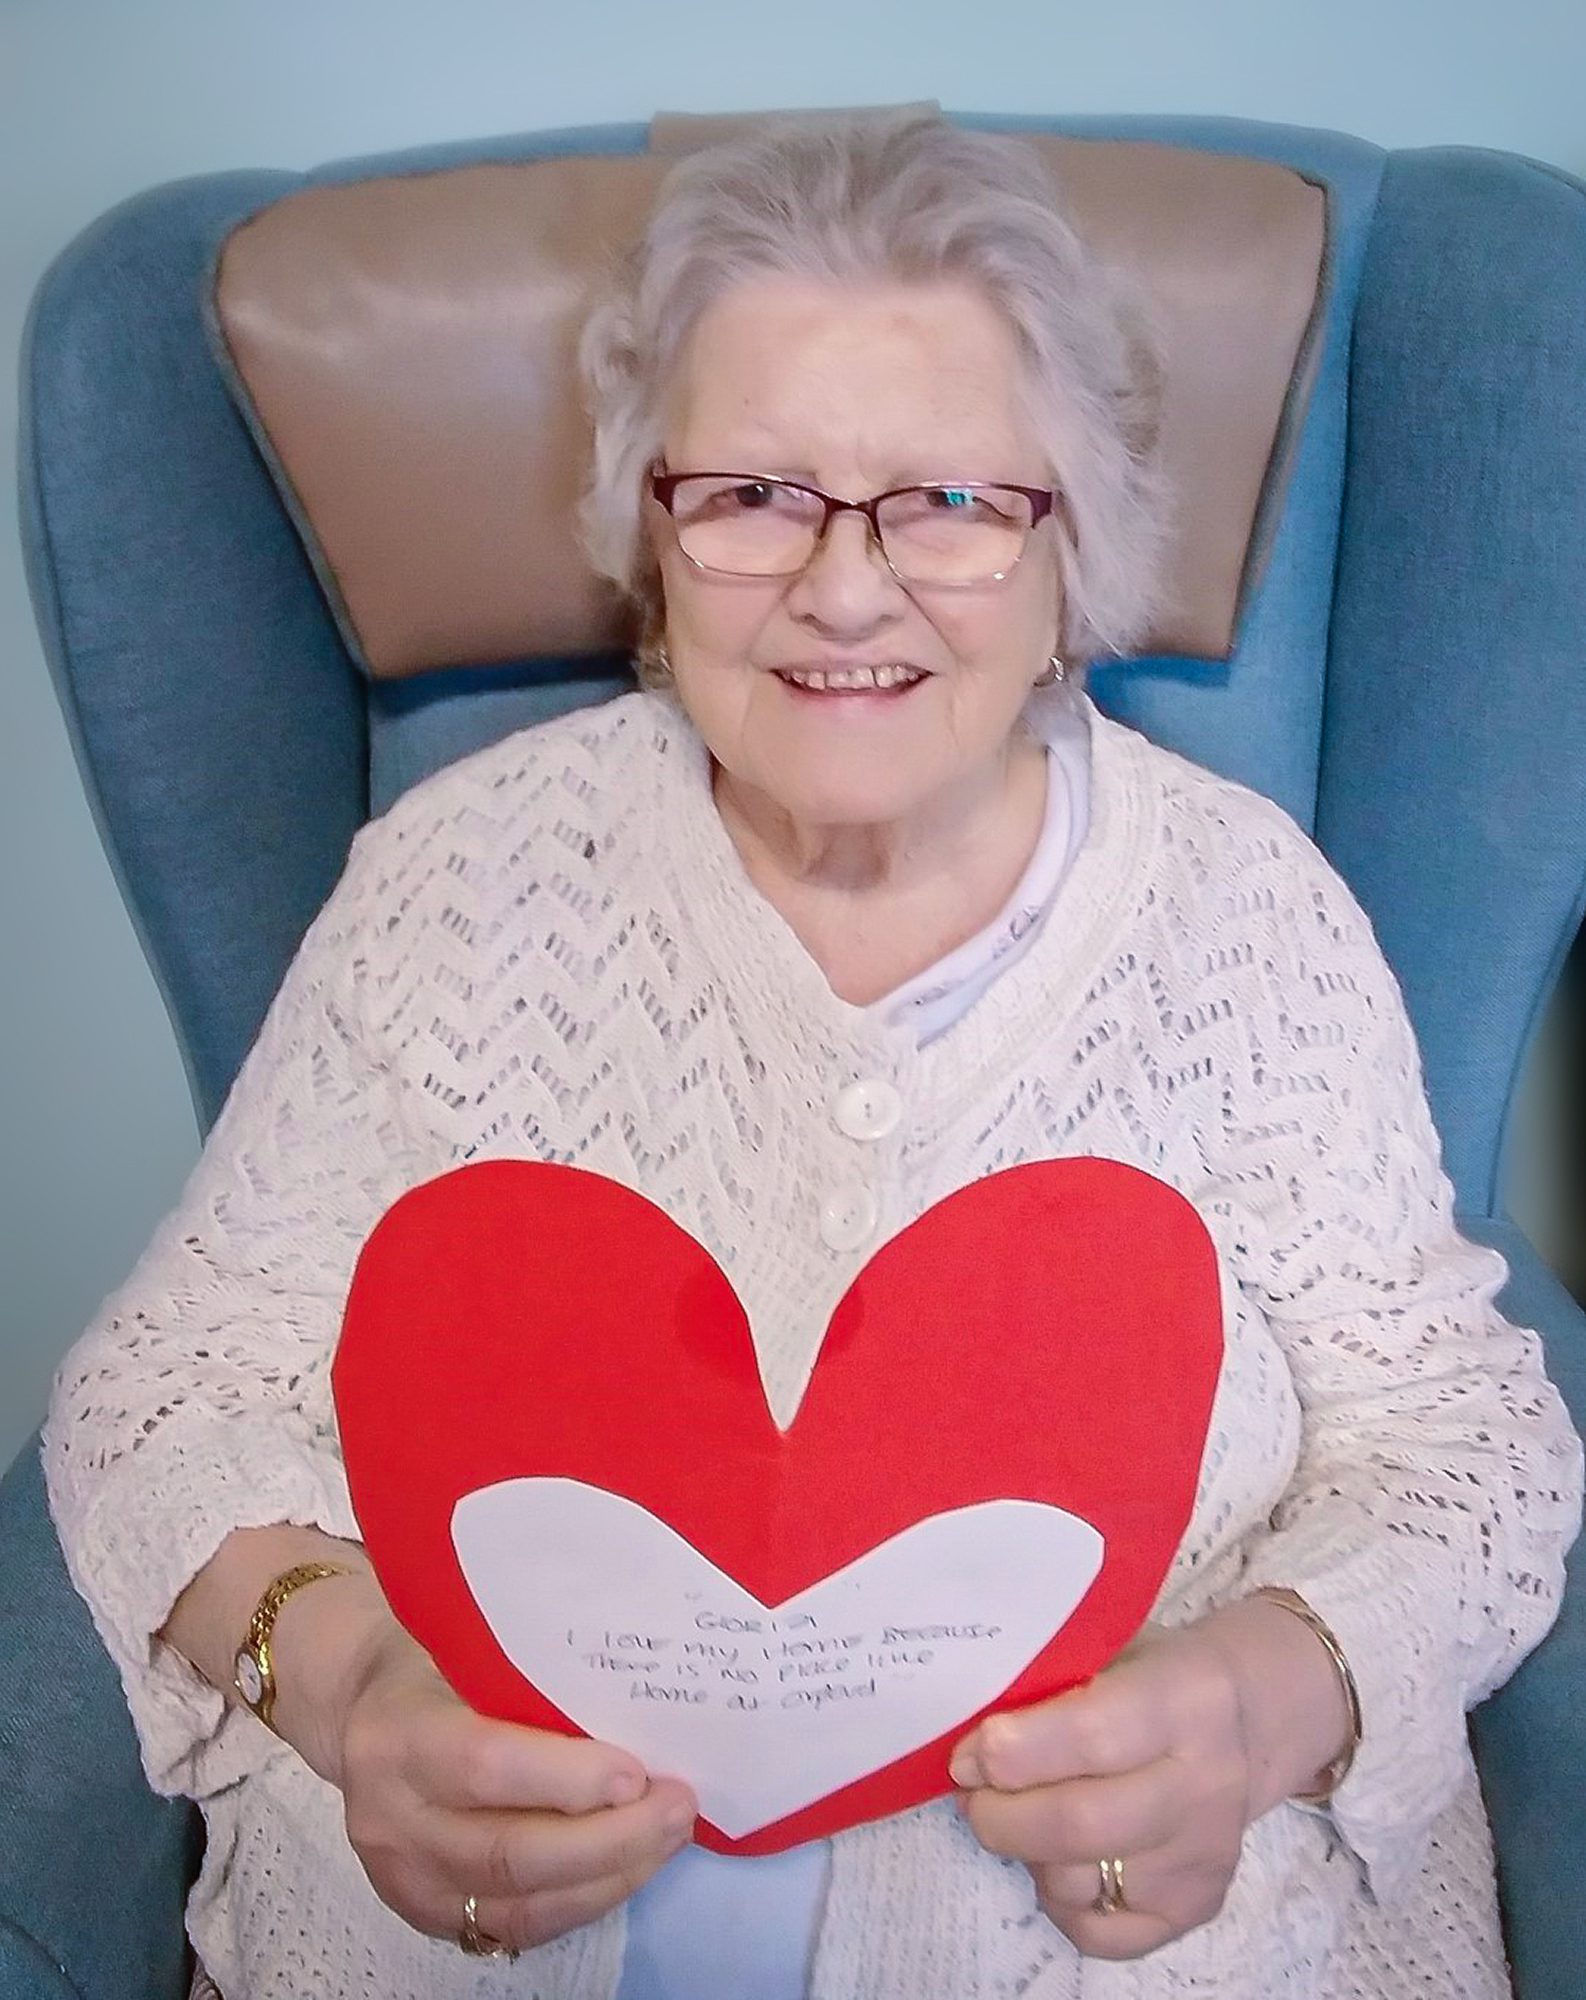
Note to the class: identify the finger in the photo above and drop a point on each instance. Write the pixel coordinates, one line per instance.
(1114, 1723)
(515, 1854)
(522, 1922)
(1083, 1817)
(467, 1761)
(1117, 1934)
(1070, 1897)
(1070, 1888)
(1159, 1887)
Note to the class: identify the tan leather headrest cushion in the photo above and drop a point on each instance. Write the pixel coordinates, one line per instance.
(404, 351)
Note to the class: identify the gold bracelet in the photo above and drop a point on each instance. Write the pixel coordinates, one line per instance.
(1338, 1770)
(253, 1670)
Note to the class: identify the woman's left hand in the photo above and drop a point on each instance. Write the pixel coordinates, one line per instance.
(1161, 1761)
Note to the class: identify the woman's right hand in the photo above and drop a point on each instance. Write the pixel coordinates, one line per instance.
(547, 1832)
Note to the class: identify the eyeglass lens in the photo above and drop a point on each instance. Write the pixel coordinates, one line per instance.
(935, 534)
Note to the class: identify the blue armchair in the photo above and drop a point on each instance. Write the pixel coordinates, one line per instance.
(1408, 678)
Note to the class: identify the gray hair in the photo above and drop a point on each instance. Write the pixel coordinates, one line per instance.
(868, 197)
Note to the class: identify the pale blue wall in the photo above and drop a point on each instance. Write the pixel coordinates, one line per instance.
(99, 100)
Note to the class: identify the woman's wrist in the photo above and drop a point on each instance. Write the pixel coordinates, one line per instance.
(324, 1639)
(1296, 1710)
(1325, 1782)
(320, 1635)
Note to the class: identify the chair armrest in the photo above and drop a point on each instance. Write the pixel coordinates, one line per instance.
(1530, 1737)
(94, 1869)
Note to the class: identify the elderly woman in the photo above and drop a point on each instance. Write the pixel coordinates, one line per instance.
(856, 900)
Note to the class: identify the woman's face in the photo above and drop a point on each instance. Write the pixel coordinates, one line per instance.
(854, 390)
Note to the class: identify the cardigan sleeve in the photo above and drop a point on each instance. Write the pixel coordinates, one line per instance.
(1439, 1478)
(197, 1400)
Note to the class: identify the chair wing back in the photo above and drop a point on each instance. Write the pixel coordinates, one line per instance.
(1375, 617)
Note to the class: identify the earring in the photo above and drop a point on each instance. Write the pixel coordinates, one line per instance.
(659, 663)
(1055, 670)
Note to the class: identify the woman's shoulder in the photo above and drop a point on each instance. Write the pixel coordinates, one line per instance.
(516, 778)
(482, 833)
(1234, 862)
(1206, 815)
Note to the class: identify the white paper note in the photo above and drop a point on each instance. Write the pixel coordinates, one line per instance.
(764, 1709)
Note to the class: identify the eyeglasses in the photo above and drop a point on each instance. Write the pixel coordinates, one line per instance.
(753, 524)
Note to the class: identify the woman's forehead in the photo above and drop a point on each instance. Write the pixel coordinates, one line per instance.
(783, 365)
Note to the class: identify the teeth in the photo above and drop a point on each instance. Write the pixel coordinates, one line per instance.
(856, 677)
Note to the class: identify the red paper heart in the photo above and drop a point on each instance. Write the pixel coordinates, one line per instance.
(1052, 1333)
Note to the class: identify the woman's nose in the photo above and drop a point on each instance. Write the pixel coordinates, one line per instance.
(846, 581)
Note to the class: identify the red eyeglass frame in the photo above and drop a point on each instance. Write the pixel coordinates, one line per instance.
(1043, 500)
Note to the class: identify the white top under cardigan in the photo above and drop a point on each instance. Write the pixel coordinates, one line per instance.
(552, 950)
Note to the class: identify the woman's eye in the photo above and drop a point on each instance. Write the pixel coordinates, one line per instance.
(964, 505)
(943, 500)
(751, 496)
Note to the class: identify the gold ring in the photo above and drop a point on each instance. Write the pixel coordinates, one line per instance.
(476, 1943)
(1110, 1898)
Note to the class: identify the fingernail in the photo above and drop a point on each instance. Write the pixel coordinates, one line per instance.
(965, 1767)
(625, 1787)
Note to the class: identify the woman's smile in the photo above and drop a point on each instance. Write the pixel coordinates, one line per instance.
(868, 686)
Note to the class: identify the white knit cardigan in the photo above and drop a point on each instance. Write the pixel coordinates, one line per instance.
(552, 950)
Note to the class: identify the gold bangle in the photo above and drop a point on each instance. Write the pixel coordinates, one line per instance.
(1338, 1770)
